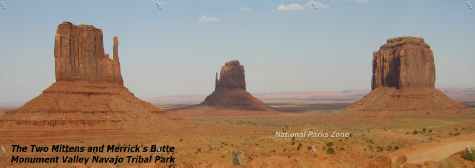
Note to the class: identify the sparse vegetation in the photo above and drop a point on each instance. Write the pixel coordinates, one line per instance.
(469, 154)
(370, 141)
(379, 149)
(415, 132)
(330, 151)
(389, 148)
(454, 133)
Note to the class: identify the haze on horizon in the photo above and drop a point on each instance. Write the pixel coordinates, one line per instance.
(291, 45)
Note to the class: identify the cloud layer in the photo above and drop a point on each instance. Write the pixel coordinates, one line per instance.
(290, 7)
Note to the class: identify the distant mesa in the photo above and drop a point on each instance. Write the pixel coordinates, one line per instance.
(230, 90)
(89, 85)
(403, 81)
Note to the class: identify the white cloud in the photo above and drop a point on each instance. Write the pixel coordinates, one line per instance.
(362, 1)
(290, 7)
(312, 4)
(245, 9)
(317, 4)
(208, 19)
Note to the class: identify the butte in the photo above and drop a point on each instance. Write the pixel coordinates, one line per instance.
(89, 88)
(230, 90)
(403, 82)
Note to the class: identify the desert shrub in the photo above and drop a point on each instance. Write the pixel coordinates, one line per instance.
(469, 154)
(370, 141)
(389, 148)
(330, 151)
(198, 150)
(330, 144)
(379, 149)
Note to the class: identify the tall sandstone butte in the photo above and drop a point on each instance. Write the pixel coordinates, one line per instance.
(89, 88)
(403, 81)
(404, 62)
(79, 55)
(230, 90)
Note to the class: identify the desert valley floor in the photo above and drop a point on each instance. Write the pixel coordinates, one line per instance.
(211, 137)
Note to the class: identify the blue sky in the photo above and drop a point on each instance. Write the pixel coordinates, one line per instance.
(285, 45)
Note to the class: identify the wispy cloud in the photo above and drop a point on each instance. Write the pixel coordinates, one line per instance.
(290, 7)
(208, 19)
(245, 9)
(318, 4)
(311, 4)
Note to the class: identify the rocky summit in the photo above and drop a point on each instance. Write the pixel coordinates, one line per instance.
(403, 81)
(230, 90)
(89, 88)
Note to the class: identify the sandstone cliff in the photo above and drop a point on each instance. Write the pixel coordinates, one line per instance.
(404, 62)
(79, 55)
(230, 90)
(231, 77)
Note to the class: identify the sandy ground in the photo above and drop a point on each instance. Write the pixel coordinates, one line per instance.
(209, 137)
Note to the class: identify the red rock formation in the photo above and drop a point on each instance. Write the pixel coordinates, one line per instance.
(231, 77)
(404, 62)
(89, 86)
(403, 81)
(79, 55)
(230, 90)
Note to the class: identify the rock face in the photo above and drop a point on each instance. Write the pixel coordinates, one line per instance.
(231, 77)
(404, 62)
(230, 90)
(403, 81)
(89, 88)
(79, 55)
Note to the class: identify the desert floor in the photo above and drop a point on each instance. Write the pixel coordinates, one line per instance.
(208, 137)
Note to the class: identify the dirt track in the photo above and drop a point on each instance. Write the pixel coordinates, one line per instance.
(437, 151)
